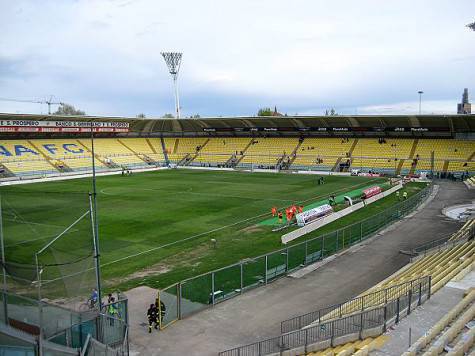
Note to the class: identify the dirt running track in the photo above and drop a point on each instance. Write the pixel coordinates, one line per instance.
(257, 314)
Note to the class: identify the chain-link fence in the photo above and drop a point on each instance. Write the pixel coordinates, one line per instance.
(48, 271)
(352, 326)
(198, 293)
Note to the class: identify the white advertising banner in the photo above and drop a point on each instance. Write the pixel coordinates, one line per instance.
(62, 126)
(313, 214)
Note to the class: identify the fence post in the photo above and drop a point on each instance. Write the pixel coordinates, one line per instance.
(306, 252)
(242, 281)
(361, 326)
(397, 310)
(306, 340)
(385, 317)
(430, 287)
(287, 259)
(337, 236)
(179, 300)
(265, 278)
(419, 301)
(323, 247)
(212, 287)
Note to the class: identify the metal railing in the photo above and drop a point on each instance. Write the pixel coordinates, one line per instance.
(65, 329)
(355, 326)
(198, 293)
(445, 242)
(360, 303)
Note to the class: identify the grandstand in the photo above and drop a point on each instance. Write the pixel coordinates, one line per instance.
(384, 144)
(442, 266)
(356, 327)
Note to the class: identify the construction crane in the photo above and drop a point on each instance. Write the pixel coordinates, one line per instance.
(48, 102)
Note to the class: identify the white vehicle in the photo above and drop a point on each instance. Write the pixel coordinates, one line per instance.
(355, 172)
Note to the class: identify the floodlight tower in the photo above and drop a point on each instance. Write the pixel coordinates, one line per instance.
(173, 61)
(420, 92)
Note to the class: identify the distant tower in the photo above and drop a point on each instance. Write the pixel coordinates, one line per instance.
(464, 107)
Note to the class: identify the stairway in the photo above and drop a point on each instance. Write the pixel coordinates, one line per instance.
(411, 156)
(243, 152)
(293, 155)
(111, 165)
(47, 158)
(131, 150)
(164, 150)
(6, 172)
(192, 158)
(446, 166)
(350, 154)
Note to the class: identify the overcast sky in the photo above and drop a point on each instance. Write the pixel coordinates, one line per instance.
(365, 56)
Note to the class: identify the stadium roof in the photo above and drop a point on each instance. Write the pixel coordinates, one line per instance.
(454, 123)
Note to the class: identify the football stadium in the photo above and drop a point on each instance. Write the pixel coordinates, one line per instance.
(198, 214)
(341, 224)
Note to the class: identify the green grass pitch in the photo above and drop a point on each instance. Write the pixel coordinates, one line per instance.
(155, 228)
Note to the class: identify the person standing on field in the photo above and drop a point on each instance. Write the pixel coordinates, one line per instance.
(280, 217)
(274, 211)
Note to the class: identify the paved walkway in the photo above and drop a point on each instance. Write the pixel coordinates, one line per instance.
(257, 314)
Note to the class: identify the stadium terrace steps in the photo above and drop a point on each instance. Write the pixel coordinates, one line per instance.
(448, 330)
(460, 234)
(445, 167)
(360, 347)
(350, 152)
(131, 150)
(293, 155)
(244, 151)
(442, 266)
(95, 155)
(222, 151)
(151, 146)
(46, 157)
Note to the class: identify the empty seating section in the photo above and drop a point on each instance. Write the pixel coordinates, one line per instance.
(220, 150)
(112, 151)
(442, 266)
(457, 152)
(360, 347)
(39, 156)
(179, 148)
(380, 154)
(20, 157)
(67, 152)
(150, 149)
(323, 153)
(462, 233)
(449, 331)
(269, 151)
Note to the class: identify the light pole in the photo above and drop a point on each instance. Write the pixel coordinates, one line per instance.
(173, 61)
(420, 92)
